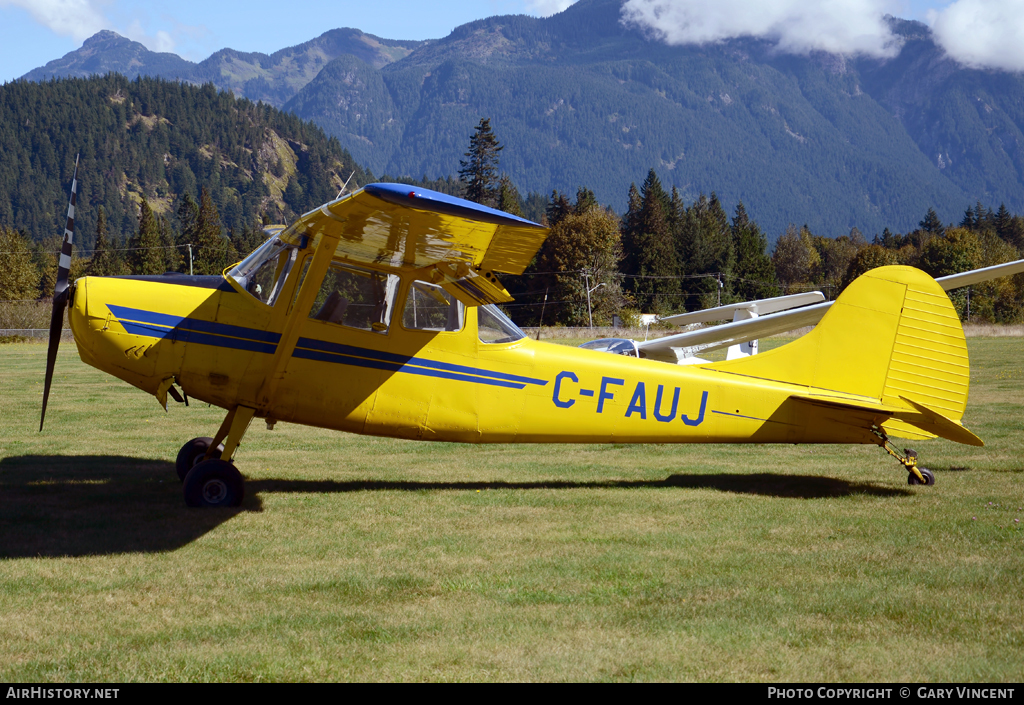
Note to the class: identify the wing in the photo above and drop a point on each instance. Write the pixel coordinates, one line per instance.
(459, 244)
(723, 336)
(727, 334)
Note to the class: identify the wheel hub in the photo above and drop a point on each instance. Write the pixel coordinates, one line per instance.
(214, 491)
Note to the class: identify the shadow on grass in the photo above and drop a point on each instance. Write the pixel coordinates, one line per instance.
(97, 505)
(765, 484)
(53, 506)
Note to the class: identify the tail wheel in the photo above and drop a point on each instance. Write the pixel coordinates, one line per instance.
(928, 475)
(214, 483)
(193, 452)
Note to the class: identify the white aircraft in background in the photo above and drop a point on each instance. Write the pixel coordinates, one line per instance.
(752, 320)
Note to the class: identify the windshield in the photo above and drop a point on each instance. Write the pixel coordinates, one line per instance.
(617, 346)
(264, 272)
(495, 327)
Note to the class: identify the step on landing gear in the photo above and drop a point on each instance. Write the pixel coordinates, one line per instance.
(908, 459)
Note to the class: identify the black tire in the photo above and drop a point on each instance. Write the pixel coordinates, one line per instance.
(191, 453)
(214, 483)
(929, 477)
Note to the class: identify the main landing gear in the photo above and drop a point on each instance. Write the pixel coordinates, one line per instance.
(908, 459)
(204, 464)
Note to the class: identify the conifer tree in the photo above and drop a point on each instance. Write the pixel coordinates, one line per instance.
(145, 253)
(654, 285)
(209, 251)
(106, 261)
(188, 234)
(172, 253)
(932, 224)
(558, 207)
(753, 274)
(508, 197)
(480, 171)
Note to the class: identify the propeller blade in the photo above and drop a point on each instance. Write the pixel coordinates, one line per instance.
(60, 295)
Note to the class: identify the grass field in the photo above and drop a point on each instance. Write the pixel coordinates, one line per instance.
(359, 558)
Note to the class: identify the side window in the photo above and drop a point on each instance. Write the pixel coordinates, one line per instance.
(356, 298)
(429, 307)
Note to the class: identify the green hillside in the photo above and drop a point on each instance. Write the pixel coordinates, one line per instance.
(158, 140)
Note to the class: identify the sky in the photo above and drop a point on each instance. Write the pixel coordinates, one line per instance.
(33, 32)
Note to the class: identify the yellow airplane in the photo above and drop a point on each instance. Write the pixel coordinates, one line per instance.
(376, 314)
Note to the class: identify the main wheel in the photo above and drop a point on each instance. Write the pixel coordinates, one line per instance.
(191, 453)
(214, 483)
(928, 475)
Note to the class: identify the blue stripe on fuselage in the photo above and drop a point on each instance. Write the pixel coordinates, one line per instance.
(192, 330)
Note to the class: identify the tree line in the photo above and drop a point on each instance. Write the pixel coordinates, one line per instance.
(662, 255)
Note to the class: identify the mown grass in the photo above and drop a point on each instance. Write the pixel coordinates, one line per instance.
(359, 558)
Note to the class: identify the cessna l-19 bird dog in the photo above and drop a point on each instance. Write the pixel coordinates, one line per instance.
(376, 314)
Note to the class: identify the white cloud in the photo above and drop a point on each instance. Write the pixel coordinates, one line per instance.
(546, 8)
(161, 41)
(796, 26)
(69, 18)
(982, 33)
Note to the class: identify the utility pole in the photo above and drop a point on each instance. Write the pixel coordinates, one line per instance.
(590, 313)
(190, 259)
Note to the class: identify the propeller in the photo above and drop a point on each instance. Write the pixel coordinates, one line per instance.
(60, 295)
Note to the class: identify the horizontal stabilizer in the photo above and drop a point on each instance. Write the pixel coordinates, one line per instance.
(936, 423)
(929, 422)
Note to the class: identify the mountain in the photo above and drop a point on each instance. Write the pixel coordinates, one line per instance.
(577, 99)
(272, 78)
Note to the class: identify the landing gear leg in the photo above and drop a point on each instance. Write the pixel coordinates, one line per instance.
(213, 481)
(908, 459)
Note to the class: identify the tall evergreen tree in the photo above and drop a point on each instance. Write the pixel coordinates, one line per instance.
(188, 232)
(480, 171)
(145, 254)
(653, 283)
(172, 253)
(932, 224)
(753, 274)
(209, 251)
(558, 207)
(508, 197)
(106, 262)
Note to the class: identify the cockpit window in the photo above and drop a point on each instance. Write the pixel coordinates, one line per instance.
(495, 327)
(357, 298)
(263, 273)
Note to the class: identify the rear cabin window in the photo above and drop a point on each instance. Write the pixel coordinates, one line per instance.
(429, 307)
(356, 298)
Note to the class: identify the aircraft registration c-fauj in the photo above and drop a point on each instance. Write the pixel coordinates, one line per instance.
(376, 314)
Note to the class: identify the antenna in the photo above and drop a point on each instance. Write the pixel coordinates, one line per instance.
(345, 185)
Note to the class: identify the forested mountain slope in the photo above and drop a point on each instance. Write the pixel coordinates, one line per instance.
(159, 140)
